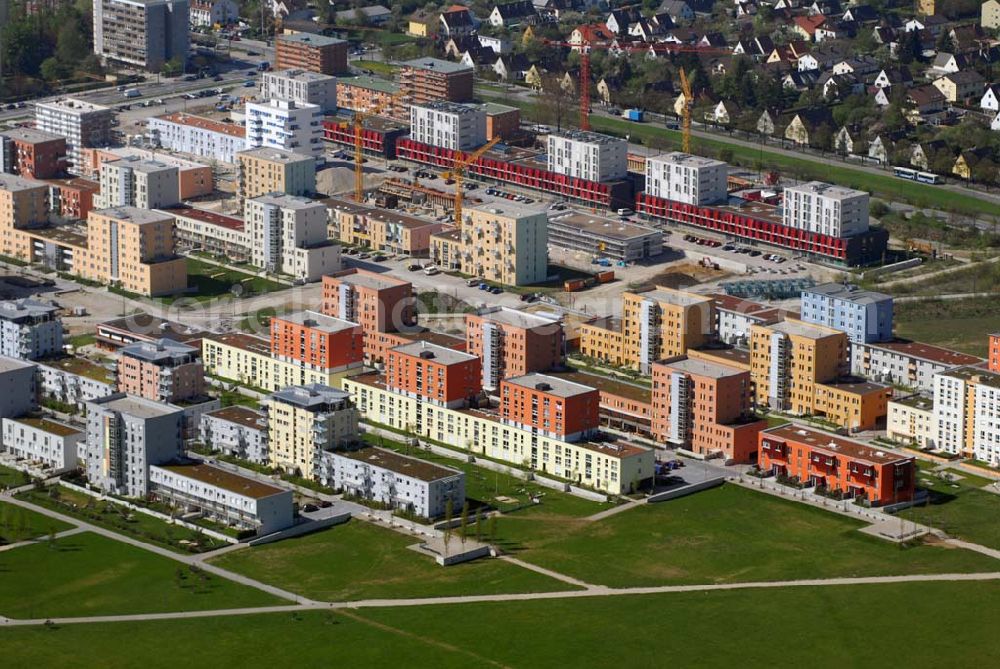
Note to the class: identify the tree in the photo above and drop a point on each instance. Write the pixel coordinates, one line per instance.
(493, 528)
(464, 527)
(479, 524)
(53, 70)
(448, 516)
(172, 67)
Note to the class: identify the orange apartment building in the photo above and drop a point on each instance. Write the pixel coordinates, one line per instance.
(163, 370)
(427, 79)
(378, 302)
(850, 467)
(379, 343)
(31, 153)
(625, 407)
(502, 121)
(73, 197)
(433, 373)
(193, 179)
(550, 406)
(705, 407)
(372, 95)
(994, 354)
(313, 53)
(513, 343)
(317, 341)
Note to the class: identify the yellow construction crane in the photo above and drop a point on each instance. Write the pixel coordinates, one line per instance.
(686, 115)
(359, 147)
(458, 174)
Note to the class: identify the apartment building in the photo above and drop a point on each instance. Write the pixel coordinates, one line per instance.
(994, 353)
(46, 443)
(142, 33)
(502, 242)
(624, 406)
(83, 124)
(211, 232)
(448, 125)
(125, 436)
(305, 424)
(501, 120)
(426, 79)
(288, 235)
(198, 136)
(907, 363)
(866, 316)
(704, 407)
(31, 153)
(433, 373)
(587, 155)
(371, 95)
(194, 179)
(302, 87)
(221, 496)
(398, 481)
(825, 209)
(74, 381)
(910, 421)
(285, 124)
(604, 237)
(381, 229)
(734, 317)
(550, 406)
(214, 12)
(18, 390)
(655, 324)
(163, 371)
(683, 177)
(378, 302)
(311, 52)
(72, 198)
(247, 359)
(23, 205)
(263, 171)
(138, 182)
(850, 467)
(238, 431)
(30, 329)
(513, 343)
(317, 341)
(967, 413)
(611, 467)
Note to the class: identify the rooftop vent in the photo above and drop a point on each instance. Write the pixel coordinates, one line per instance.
(544, 387)
(427, 355)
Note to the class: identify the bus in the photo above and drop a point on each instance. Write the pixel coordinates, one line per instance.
(916, 175)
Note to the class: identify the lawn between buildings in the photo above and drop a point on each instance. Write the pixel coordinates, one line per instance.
(20, 524)
(11, 478)
(958, 507)
(736, 628)
(958, 324)
(87, 574)
(209, 281)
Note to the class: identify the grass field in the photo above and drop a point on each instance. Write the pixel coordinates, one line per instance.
(18, 524)
(119, 519)
(358, 560)
(87, 574)
(10, 478)
(904, 622)
(727, 534)
(959, 508)
(212, 281)
(959, 324)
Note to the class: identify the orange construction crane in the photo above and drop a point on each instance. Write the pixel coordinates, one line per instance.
(585, 47)
(458, 174)
(686, 120)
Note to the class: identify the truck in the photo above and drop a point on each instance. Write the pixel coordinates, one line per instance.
(131, 92)
(633, 115)
(264, 66)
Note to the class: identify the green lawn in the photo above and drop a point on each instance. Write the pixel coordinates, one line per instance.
(727, 534)
(902, 624)
(962, 325)
(959, 508)
(211, 281)
(11, 478)
(18, 524)
(119, 519)
(358, 560)
(87, 574)
(377, 67)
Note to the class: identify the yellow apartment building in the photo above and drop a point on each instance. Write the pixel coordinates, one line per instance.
(303, 422)
(268, 170)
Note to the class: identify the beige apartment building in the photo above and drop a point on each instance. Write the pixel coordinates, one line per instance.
(381, 229)
(267, 170)
(304, 422)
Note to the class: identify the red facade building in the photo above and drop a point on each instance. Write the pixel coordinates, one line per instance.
(433, 373)
(322, 342)
(549, 405)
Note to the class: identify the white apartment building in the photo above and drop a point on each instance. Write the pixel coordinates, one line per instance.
(826, 209)
(398, 481)
(285, 124)
(587, 155)
(910, 420)
(685, 178)
(138, 182)
(302, 87)
(45, 442)
(29, 329)
(83, 124)
(214, 12)
(237, 431)
(143, 33)
(74, 381)
(210, 231)
(967, 413)
(222, 496)
(17, 387)
(125, 435)
(288, 235)
(197, 136)
(448, 125)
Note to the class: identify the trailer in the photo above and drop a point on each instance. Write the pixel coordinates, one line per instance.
(633, 115)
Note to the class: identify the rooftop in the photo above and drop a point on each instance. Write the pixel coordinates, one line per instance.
(81, 367)
(675, 297)
(221, 478)
(553, 385)
(180, 118)
(133, 405)
(437, 65)
(311, 396)
(140, 164)
(439, 354)
(602, 228)
(759, 312)
(276, 155)
(857, 386)
(11, 364)
(520, 319)
(606, 384)
(318, 321)
(14, 183)
(205, 216)
(508, 208)
(72, 105)
(146, 326)
(432, 337)
(826, 190)
(134, 215)
(298, 75)
(493, 108)
(49, 426)
(701, 367)
(616, 449)
(160, 350)
(928, 352)
(309, 39)
(369, 83)
(243, 341)
(686, 159)
(375, 213)
(831, 443)
(849, 293)
(13, 310)
(286, 201)
(448, 106)
(736, 357)
(366, 279)
(401, 464)
(797, 328)
(31, 135)
(589, 137)
(975, 375)
(915, 402)
(240, 415)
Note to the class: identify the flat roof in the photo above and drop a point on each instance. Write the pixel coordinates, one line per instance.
(243, 341)
(73, 105)
(61, 235)
(606, 384)
(401, 464)
(553, 385)
(618, 449)
(276, 155)
(588, 136)
(437, 65)
(136, 406)
(367, 279)
(701, 367)
(676, 297)
(159, 350)
(515, 317)
(848, 293)
(449, 107)
(392, 216)
(733, 356)
(439, 354)
(826, 190)
(12, 182)
(181, 164)
(601, 227)
(493, 108)
(755, 310)
(298, 74)
(81, 367)
(686, 159)
(508, 208)
(220, 478)
(10, 364)
(832, 443)
(286, 201)
(135, 215)
(976, 375)
(915, 401)
(144, 325)
(50, 426)
(140, 164)
(318, 321)
(313, 395)
(211, 125)
(310, 39)
(240, 415)
(432, 337)
(205, 216)
(927, 352)
(13, 310)
(797, 328)
(369, 83)
(858, 386)
(31, 135)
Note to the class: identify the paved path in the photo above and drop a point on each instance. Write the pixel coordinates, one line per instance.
(42, 539)
(548, 572)
(631, 504)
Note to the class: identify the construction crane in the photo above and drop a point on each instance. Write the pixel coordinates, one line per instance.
(458, 174)
(585, 47)
(686, 118)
